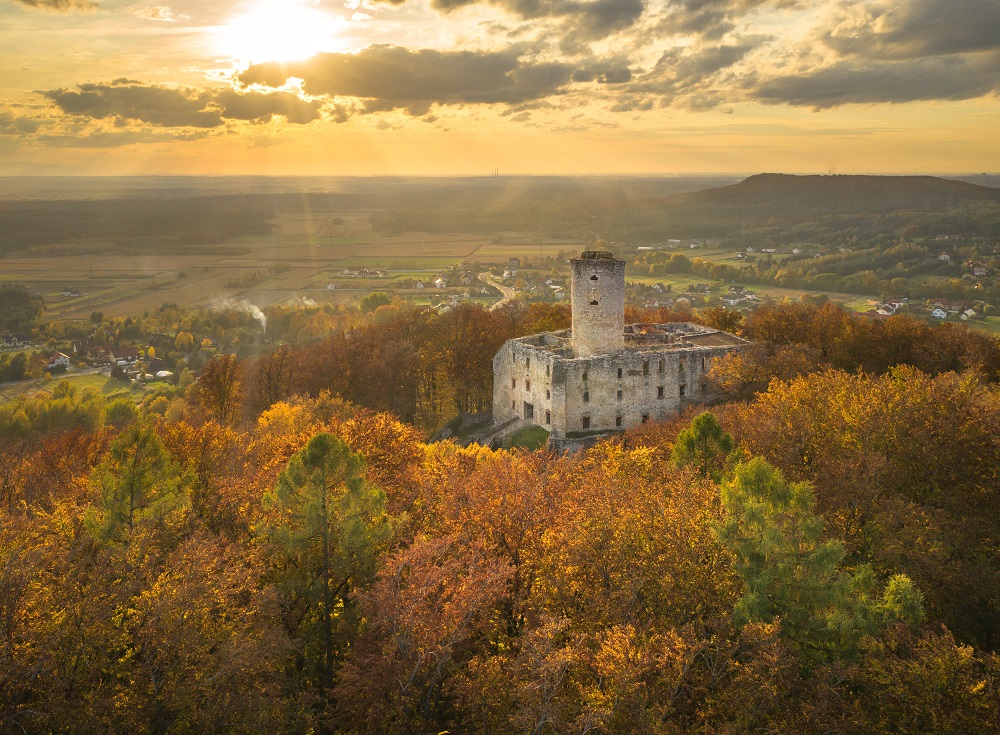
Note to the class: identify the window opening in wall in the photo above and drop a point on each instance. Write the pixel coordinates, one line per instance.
(659, 391)
(527, 385)
(645, 418)
(682, 390)
(619, 394)
(548, 394)
(546, 371)
(703, 364)
(645, 368)
(619, 372)
(586, 422)
(593, 303)
(527, 363)
(618, 421)
(513, 382)
(593, 278)
(701, 388)
(584, 374)
(529, 411)
(663, 366)
(680, 366)
(586, 397)
(548, 417)
(513, 405)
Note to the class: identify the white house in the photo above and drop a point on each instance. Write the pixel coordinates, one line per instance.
(58, 360)
(939, 313)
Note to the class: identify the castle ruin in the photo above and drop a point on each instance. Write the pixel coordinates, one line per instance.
(601, 376)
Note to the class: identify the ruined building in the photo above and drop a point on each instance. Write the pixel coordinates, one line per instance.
(601, 376)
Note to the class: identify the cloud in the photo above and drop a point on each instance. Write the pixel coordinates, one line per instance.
(126, 100)
(259, 107)
(391, 77)
(60, 6)
(914, 28)
(11, 124)
(117, 139)
(154, 12)
(848, 82)
(697, 78)
(129, 100)
(581, 21)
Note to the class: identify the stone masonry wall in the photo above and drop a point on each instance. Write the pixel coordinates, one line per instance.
(598, 305)
(562, 393)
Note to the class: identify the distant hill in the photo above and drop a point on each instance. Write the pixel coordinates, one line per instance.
(787, 195)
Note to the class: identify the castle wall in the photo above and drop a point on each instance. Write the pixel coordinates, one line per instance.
(598, 304)
(622, 389)
(558, 394)
(525, 375)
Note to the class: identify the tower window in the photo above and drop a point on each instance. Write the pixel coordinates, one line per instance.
(548, 394)
(619, 394)
(663, 365)
(619, 372)
(546, 371)
(659, 392)
(527, 364)
(593, 303)
(618, 421)
(586, 397)
(680, 366)
(586, 422)
(682, 390)
(645, 368)
(584, 374)
(645, 418)
(513, 405)
(548, 417)
(513, 382)
(593, 278)
(527, 385)
(703, 364)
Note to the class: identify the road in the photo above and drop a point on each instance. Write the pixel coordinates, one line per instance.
(508, 293)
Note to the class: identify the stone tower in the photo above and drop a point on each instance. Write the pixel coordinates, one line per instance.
(598, 303)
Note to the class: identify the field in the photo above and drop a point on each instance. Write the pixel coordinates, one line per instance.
(103, 383)
(313, 252)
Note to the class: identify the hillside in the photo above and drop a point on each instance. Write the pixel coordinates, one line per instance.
(804, 196)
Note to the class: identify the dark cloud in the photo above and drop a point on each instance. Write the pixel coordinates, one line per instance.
(259, 107)
(848, 82)
(694, 77)
(915, 28)
(710, 20)
(582, 21)
(615, 71)
(11, 124)
(391, 77)
(163, 106)
(60, 6)
(125, 100)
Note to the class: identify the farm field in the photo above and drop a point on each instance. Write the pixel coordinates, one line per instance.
(311, 249)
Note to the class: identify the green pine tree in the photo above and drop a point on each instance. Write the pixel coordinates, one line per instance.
(791, 573)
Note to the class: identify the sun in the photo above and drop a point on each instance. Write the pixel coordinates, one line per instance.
(279, 30)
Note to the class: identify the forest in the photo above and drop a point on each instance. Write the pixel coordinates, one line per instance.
(273, 548)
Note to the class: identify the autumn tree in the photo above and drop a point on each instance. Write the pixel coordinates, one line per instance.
(218, 388)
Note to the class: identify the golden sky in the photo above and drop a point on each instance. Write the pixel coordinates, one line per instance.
(328, 87)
